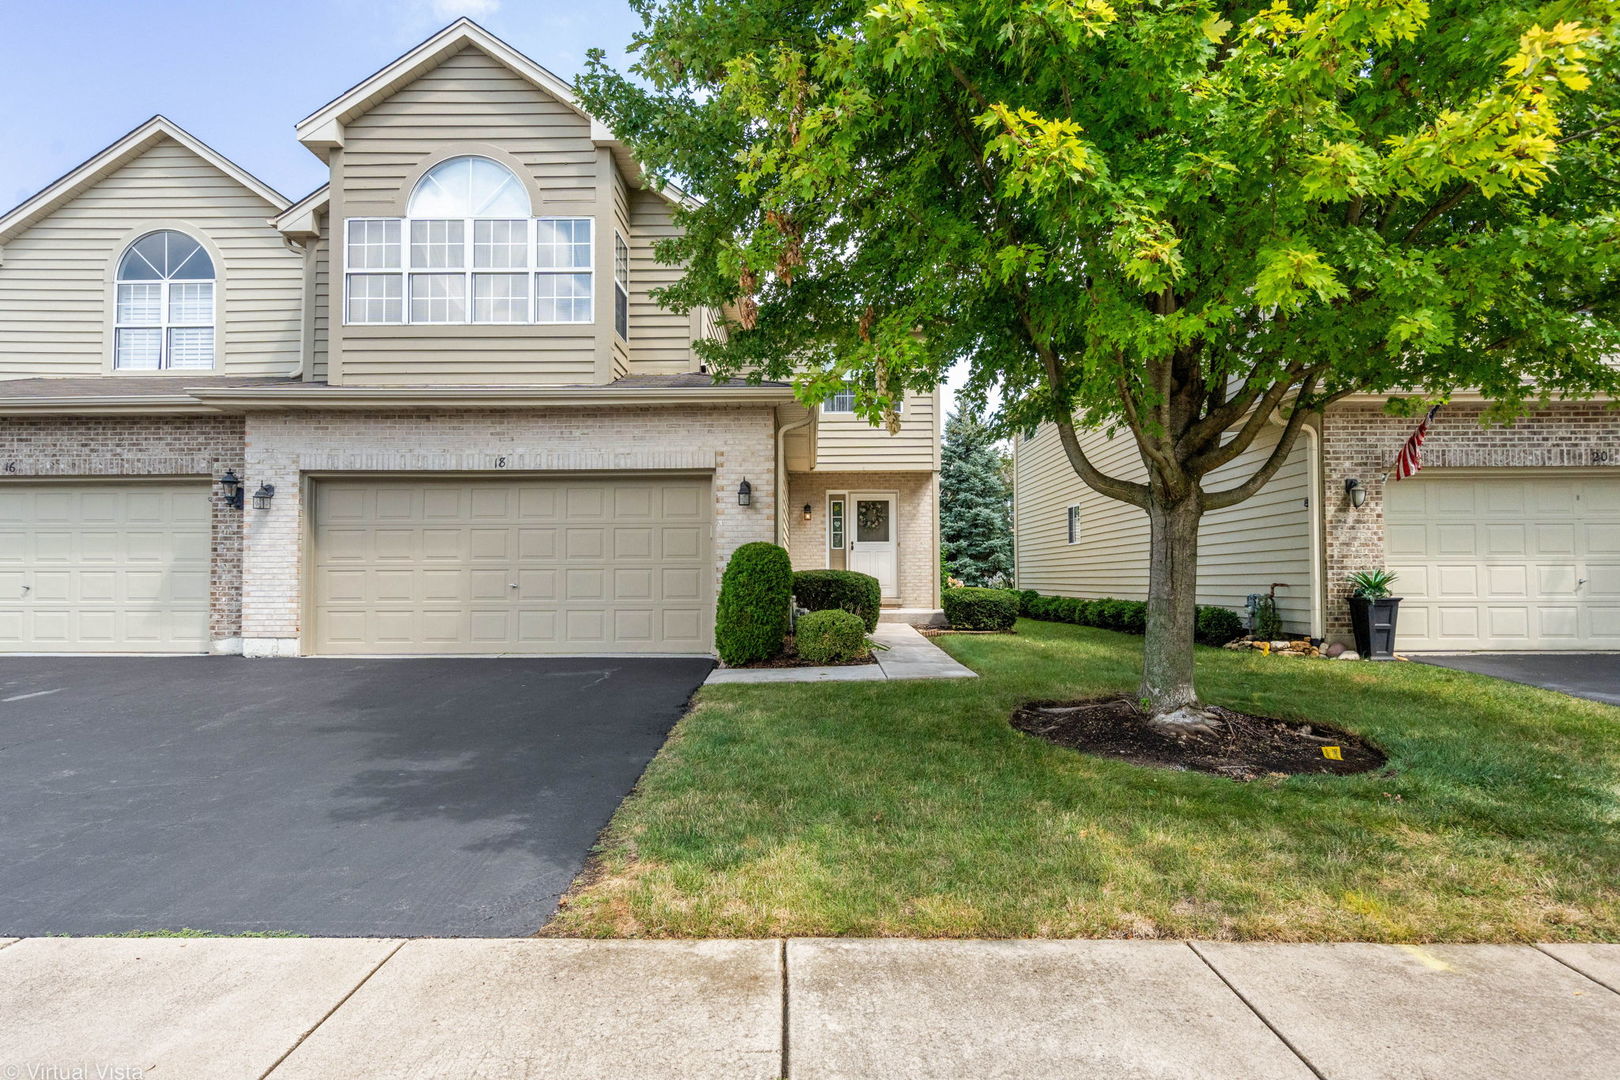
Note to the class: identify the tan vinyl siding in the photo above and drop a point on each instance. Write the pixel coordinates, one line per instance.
(321, 331)
(55, 283)
(469, 101)
(847, 443)
(1242, 549)
(660, 340)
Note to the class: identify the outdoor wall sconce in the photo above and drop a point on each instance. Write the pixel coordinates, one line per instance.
(233, 489)
(745, 493)
(1353, 488)
(807, 511)
(262, 497)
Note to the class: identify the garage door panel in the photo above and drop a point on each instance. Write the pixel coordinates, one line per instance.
(601, 564)
(1603, 579)
(1505, 540)
(1603, 539)
(1506, 561)
(1507, 623)
(1504, 581)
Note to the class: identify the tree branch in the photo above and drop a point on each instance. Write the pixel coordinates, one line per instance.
(1269, 401)
(1216, 500)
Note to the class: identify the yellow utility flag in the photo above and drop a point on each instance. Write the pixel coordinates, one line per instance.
(1334, 752)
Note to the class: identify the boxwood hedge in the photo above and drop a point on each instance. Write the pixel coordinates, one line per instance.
(1215, 625)
(751, 619)
(971, 608)
(842, 590)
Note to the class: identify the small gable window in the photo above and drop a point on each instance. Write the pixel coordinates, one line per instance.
(468, 251)
(164, 307)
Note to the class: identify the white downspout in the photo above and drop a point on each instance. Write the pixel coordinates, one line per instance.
(782, 481)
(1313, 469)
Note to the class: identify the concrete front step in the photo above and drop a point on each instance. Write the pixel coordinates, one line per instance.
(912, 616)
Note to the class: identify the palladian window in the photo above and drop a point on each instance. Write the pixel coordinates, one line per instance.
(164, 316)
(468, 251)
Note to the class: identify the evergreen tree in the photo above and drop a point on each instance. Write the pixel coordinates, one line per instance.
(975, 503)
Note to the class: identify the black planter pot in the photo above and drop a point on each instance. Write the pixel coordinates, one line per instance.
(1373, 622)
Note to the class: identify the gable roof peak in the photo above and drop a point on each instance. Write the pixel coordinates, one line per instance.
(323, 129)
(130, 146)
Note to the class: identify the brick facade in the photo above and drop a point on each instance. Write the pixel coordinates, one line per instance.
(734, 442)
(916, 511)
(177, 446)
(1361, 441)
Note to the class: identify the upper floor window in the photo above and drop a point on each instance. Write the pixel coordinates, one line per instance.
(164, 315)
(621, 287)
(468, 252)
(843, 401)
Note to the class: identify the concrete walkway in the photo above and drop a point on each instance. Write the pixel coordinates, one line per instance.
(360, 1008)
(909, 656)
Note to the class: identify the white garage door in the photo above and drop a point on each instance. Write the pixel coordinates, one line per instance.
(1507, 561)
(515, 565)
(104, 567)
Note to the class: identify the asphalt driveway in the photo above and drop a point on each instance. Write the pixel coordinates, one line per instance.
(334, 797)
(1587, 675)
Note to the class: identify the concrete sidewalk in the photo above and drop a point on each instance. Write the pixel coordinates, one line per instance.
(224, 1008)
(906, 654)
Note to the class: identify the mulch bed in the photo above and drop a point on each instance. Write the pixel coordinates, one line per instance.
(790, 658)
(1245, 748)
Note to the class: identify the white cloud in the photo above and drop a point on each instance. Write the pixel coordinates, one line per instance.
(472, 9)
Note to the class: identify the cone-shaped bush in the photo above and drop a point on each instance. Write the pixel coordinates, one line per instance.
(756, 590)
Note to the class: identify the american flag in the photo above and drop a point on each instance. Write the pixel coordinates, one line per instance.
(1410, 459)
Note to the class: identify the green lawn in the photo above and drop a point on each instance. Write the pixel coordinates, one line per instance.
(914, 809)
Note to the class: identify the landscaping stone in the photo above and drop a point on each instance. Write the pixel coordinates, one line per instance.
(569, 1010)
(1458, 1012)
(171, 1007)
(943, 1010)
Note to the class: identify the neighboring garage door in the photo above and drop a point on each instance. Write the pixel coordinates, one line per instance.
(104, 567)
(514, 565)
(1505, 562)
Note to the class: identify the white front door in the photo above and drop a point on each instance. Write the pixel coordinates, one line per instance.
(873, 547)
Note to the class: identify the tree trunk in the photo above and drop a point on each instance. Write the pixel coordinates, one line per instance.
(1172, 613)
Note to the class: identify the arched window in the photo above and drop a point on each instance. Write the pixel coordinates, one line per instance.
(165, 305)
(468, 251)
(468, 187)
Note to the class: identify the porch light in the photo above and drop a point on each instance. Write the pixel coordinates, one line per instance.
(233, 489)
(1353, 488)
(807, 511)
(745, 494)
(262, 497)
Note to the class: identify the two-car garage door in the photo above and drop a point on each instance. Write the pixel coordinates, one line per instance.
(586, 564)
(1520, 561)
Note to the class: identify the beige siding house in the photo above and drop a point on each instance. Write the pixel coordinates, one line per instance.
(431, 407)
(1507, 540)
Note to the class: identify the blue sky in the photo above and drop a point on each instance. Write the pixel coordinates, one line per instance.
(236, 74)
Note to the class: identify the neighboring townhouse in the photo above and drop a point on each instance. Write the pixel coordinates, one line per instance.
(1508, 539)
(430, 408)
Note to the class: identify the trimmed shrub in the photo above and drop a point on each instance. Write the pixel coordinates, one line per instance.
(832, 636)
(980, 609)
(1217, 626)
(756, 594)
(840, 590)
